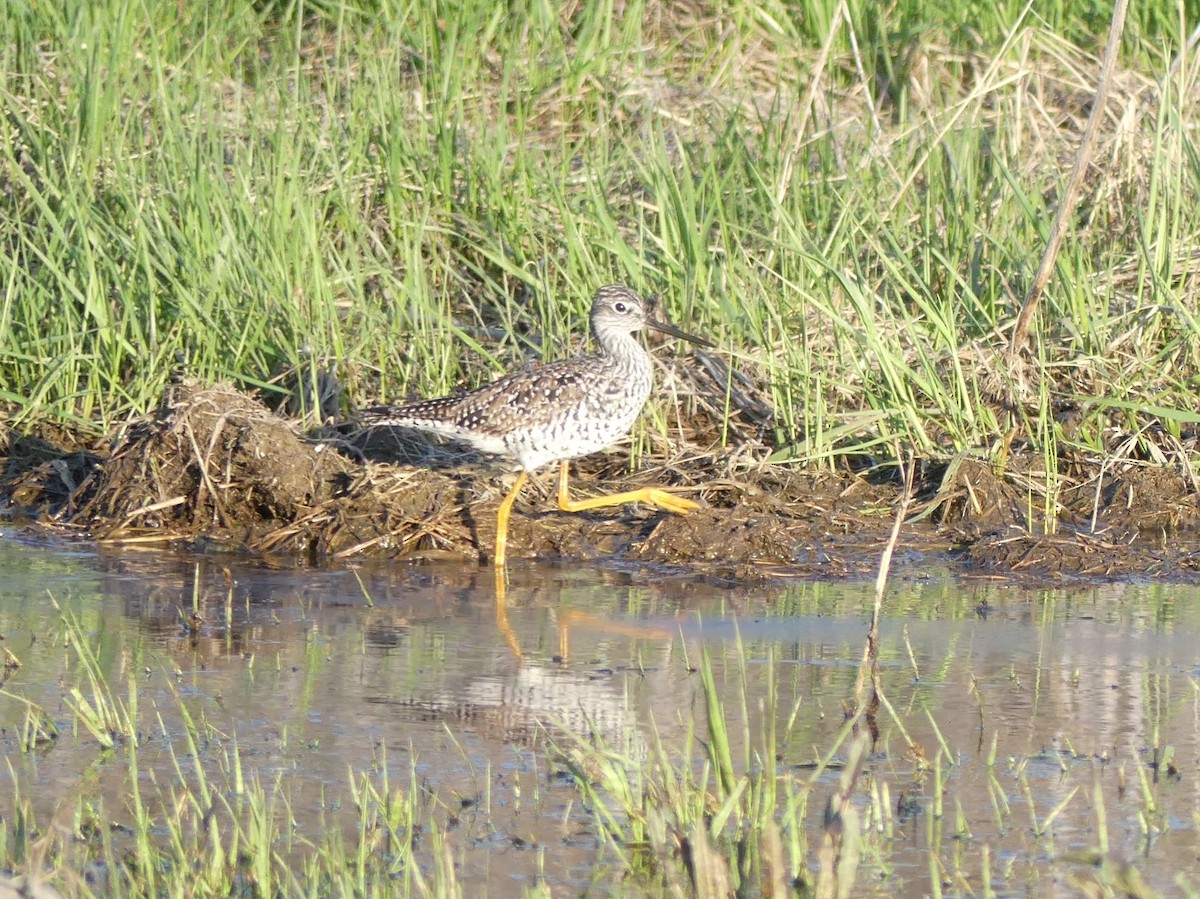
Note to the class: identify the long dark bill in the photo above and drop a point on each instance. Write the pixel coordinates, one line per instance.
(675, 332)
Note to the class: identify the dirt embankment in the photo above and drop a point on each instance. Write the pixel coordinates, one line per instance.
(215, 468)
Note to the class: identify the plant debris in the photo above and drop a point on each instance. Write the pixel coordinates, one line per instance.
(213, 468)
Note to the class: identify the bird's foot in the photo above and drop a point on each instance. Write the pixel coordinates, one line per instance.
(666, 501)
(653, 496)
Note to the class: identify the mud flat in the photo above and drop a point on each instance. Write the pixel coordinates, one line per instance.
(214, 468)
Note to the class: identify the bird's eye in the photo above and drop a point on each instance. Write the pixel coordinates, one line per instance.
(620, 307)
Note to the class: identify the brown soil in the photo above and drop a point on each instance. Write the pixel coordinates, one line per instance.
(214, 469)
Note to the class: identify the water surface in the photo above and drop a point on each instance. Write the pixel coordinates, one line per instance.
(313, 678)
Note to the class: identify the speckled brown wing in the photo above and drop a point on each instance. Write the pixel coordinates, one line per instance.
(533, 397)
(529, 397)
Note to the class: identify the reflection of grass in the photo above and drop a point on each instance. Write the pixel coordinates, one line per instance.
(106, 718)
(209, 830)
(698, 821)
(701, 819)
(716, 812)
(37, 728)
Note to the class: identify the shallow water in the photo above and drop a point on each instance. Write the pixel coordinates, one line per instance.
(315, 678)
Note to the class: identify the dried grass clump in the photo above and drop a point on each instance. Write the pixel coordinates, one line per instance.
(211, 460)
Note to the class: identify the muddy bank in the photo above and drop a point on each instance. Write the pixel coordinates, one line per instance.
(215, 469)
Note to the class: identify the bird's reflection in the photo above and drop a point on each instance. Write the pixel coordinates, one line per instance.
(567, 619)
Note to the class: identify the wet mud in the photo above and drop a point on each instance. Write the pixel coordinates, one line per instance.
(214, 469)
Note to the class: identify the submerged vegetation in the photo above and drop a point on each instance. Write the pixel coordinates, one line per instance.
(265, 748)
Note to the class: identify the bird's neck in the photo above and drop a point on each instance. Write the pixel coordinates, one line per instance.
(621, 346)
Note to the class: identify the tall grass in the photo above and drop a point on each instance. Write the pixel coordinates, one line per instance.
(417, 195)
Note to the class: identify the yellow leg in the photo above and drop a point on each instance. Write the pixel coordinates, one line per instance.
(574, 618)
(668, 502)
(502, 520)
(506, 630)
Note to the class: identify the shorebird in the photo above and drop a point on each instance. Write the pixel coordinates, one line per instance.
(557, 411)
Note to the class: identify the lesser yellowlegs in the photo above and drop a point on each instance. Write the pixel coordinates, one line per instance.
(555, 412)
